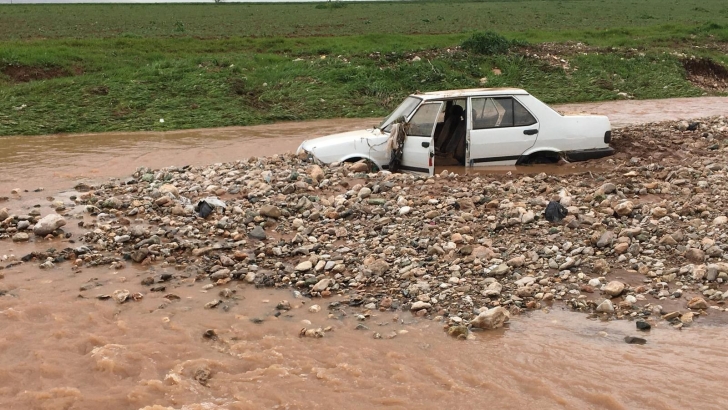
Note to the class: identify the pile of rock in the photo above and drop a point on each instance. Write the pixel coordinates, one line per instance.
(645, 226)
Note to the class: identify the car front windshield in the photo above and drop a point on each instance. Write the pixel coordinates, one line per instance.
(404, 110)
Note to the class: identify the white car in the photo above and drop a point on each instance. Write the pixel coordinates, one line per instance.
(472, 128)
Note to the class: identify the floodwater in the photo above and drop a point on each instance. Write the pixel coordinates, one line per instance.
(63, 348)
(64, 351)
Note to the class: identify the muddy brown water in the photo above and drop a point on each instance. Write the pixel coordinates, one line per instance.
(62, 348)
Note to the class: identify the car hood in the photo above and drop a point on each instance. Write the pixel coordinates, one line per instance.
(337, 139)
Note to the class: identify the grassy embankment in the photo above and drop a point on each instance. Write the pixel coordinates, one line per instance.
(88, 68)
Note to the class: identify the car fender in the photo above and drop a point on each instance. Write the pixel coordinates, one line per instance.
(536, 148)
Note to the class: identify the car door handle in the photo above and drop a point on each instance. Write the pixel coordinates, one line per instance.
(530, 132)
(425, 145)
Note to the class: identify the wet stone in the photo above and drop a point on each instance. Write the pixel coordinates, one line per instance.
(642, 325)
(21, 237)
(632, 340)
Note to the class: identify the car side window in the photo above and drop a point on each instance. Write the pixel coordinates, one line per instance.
(521, 116)
(499, 112)
(423, 122)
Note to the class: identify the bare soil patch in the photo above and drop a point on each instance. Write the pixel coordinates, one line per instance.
(25, 73)
(706, 74)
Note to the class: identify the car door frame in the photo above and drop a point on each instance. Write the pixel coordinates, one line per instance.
(479, 159)
(418, 153)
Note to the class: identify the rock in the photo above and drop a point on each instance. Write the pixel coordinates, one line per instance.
(169, 189)
(163, 201)
(697, 303)
(201, 251)
(317, 174)
(667, 239)
(491, 319)
(270, 211)
(48, 224)
(483, 253)
(518, 261)
(304, 266)
(687, 318)
(139, 255)
(283, 305)
(642, 325)
(4, 214)
(21, 237)
(600, 267)
(493, 290)
(658, 212)
(614, 288)
(365, 192)
(459, 331)
(258, 233)
(528, 217)
(378, 266)
(314, 333)
(712, 273)
(605, 307)
(632, 340)
(695, 255)
(419, 305)
(121, 296)
(500, 270)
(220, 274)
(607, 188)
(405, 210)
(605, 239)
(624, 208)
(360, 166)
(671, 315)
(721, 220)
(621, 248)
(314, 308)
(321, 285)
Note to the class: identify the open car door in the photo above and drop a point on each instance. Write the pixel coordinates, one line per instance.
(418, 152)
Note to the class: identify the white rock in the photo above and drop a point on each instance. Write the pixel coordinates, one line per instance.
(48, 224)
(614, 288)
(491, 319)
(321, 285)
(419, 305)
(606, 307)
(304, 266)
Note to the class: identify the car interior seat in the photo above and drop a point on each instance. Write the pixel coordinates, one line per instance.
(453, 121)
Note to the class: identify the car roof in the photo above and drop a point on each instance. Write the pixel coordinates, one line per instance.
(471, 92)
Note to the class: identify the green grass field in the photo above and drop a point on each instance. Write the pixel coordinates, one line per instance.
(89, 68)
